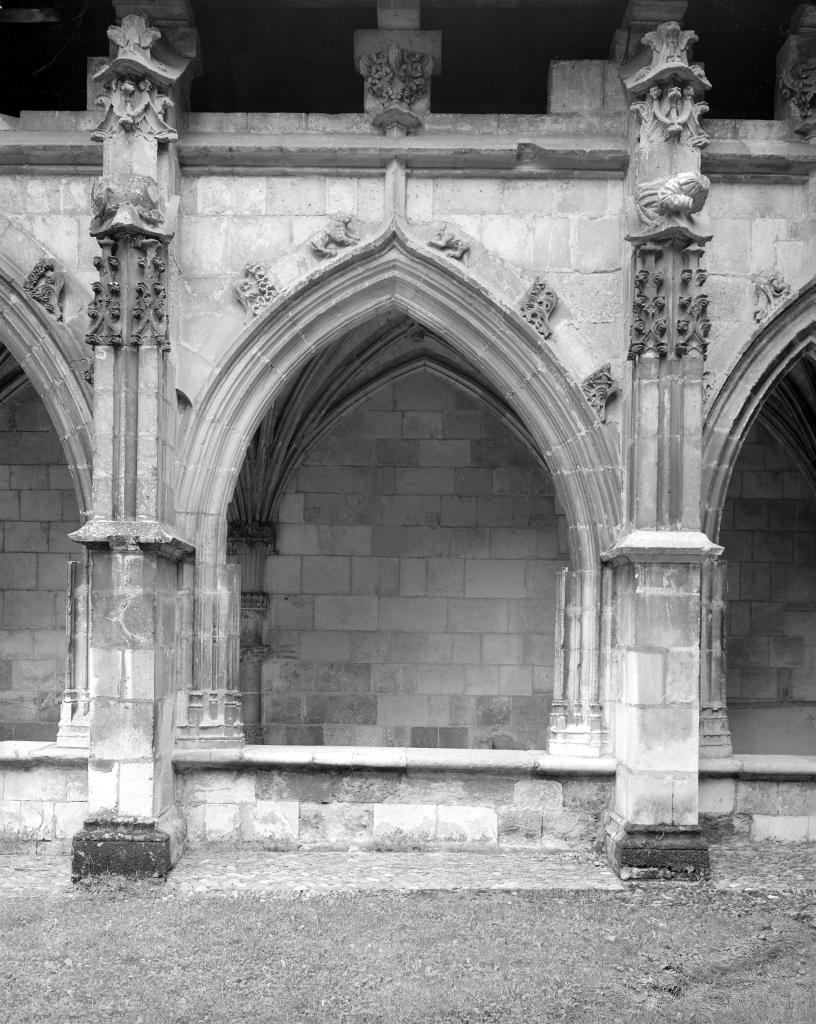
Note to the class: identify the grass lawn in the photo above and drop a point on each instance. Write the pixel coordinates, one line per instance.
(128, 952)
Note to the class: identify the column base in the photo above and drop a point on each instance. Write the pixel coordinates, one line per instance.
(577, 732)
(128, 848)
(668, 854)
(715, 734)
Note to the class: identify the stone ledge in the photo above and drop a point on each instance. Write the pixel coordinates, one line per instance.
(28, 752)
(759, 766)
(396, 758)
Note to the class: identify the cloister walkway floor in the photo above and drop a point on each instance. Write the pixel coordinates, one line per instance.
(735, 864)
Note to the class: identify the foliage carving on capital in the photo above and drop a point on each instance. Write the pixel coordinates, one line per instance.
(150, 303)
(337, 235)
(45, 283)
(669, 44)
(597, 388)
(254, 290)
(539, 306)
(449, 243)
(134, 105)
(649, 323)
(105, 309)
(668, 111)
(770, 290)
(693, 323)
(396, 77)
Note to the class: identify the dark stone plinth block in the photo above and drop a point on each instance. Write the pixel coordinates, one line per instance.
(120, 849)
(636, 856)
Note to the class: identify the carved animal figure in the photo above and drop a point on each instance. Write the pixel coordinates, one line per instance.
(449, 243)
(136, 194)
(336, 236)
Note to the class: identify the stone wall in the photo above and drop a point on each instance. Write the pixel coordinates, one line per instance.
(391, 810)
(43, 801)
(782, 810)
(769, 535)
(414, 589)
(38, 509)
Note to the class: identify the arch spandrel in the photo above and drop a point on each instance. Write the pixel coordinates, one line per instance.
(392, 273)
(50, 355)
(765, 359)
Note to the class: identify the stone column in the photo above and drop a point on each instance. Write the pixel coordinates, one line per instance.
(576, 721)
(397, 61)
(654, 831)
(135, 556)
(796, 74)
(715, 734)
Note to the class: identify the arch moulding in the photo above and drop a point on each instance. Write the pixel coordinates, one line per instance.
(394, 274)
(771, 351)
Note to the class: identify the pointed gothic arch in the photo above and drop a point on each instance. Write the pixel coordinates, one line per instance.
(393, 273)
(49, 355)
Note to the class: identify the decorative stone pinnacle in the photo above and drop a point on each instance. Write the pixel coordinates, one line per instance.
(670, 61)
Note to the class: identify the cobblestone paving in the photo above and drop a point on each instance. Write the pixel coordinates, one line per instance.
(735, 865)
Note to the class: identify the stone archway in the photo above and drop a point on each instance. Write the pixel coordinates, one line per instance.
(758, 490)
(394, 275)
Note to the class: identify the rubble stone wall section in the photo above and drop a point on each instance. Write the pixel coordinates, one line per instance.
(38, 509)
(413, 595)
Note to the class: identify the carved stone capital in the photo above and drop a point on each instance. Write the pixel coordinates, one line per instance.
(670, 112)
(397, 67)
(128, 204)
(254, 290)
(649, 323)
(770, 290)
(538, 307)
(129, 305)
(670, 46)
(337, 235)
(449, 243)
(134, 105)
(692, 324)
(45, 283)
(597, 389)
(243, 535)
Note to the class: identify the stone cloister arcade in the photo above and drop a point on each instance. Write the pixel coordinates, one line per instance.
(407, 477)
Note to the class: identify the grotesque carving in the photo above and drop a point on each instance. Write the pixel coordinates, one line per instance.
(126, 202)
(396, 77)
(337, 235)
(105, 310)
(798, 85)
(668, 111)
(648, 334)
(150, 304)
(45, 284)
(538, 307)
(449, 243)
(679, 197)
(693, 324)
(597, 388)
(254, 291)
(770, 290)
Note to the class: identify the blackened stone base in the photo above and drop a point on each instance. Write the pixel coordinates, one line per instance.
(120, 849)
(665, 854)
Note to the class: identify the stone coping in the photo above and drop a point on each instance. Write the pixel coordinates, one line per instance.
(29, 752)
(394, 758)
(759, 766)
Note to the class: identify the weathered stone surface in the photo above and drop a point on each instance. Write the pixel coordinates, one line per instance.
(120, 850)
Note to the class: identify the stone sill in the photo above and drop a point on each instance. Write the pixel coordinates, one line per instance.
(773, 767)
(392, 758)
(24, 753)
